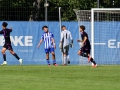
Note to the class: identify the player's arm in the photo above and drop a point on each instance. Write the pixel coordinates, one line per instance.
(61, 40)
(71, 43)
(53, 41)
(40, 42)
(79, 40)
(1, 32)
(84, 40)
(10, 29)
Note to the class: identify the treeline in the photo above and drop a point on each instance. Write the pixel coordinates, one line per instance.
(25, 10)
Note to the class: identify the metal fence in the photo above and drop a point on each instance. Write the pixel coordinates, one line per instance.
(34, 10)
(22, 10)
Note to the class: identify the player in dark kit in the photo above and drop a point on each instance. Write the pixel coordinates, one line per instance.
(85, 46)
(7, 46)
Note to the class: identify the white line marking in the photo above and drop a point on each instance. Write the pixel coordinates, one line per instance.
(99, 43)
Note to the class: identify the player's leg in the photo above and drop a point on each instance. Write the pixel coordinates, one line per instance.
(68, 58)
(65, 55)
(92, 60)
(79, 52)
(89, 57)
(86, 53)
(4, 56)
(47, 56)
(82, 53)
(14, 54)
(64, 59)
(62, 50)
(53, 56)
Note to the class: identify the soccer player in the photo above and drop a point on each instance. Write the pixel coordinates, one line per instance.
(64, 44)
(7, 46)
(85, 46)
(50, 46)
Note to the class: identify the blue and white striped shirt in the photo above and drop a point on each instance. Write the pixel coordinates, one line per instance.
(47, 38)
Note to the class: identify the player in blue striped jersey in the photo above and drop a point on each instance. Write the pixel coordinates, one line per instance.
(50, 46)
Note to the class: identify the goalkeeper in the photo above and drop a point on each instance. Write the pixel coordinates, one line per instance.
(64, 44)
(85, 46)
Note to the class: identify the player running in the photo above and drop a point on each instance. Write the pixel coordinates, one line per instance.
(85, 46)
(49, 41)
(64, 44)
(7, 46)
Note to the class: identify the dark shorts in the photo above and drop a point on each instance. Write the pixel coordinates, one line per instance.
(85, 50)
(65, 49)
(8, 46)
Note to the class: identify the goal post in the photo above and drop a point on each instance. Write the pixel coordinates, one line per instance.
(60, 25)
(102, 12)
(105, 35)
(103, 28)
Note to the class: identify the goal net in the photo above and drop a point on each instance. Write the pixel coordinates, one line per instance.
(103, 29)
(83, 17)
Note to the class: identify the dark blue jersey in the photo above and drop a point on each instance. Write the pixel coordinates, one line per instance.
(87, 43)
(6, 34)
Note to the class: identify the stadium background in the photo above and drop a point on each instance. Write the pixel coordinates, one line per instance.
(28, 16)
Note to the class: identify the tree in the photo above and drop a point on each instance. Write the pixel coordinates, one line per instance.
(68, 6)
(22, 10)
(109, 4)
(15, 9)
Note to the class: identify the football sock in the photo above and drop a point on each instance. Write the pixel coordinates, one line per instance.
(16, 56)
(54, 62)
(68, 57)
(93, 61)
(48, 61)
(4, 57)
(65, 59)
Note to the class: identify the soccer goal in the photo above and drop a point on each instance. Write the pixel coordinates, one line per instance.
(103, 28)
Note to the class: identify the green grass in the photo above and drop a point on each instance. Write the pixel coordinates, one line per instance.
(59, 78)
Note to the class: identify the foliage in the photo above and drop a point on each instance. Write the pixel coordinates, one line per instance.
(68, 6)
(15, 9)
(22, 9)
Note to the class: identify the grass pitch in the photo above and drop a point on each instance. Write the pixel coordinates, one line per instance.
(59, 78)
